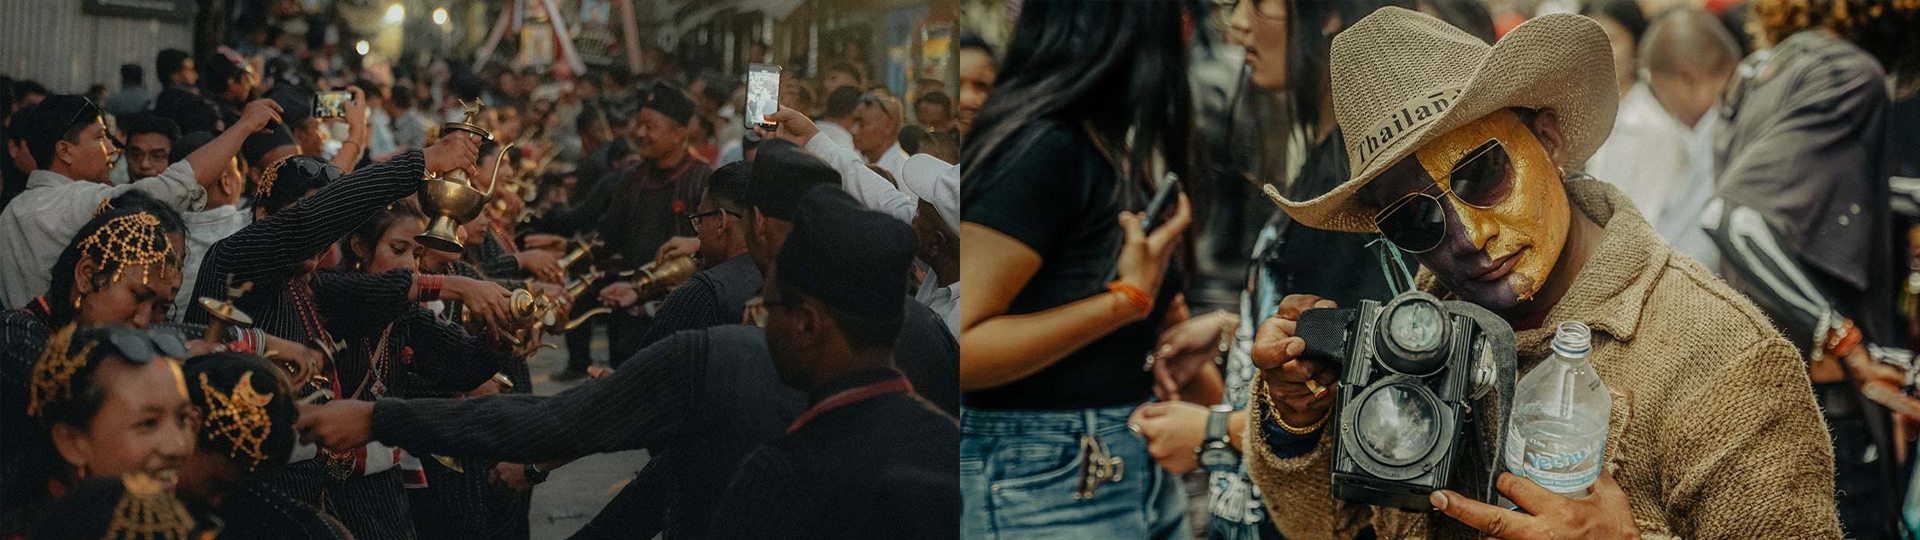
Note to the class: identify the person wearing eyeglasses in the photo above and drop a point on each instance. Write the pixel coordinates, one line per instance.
(149, 144)
(719, 293)
(114, 402)
(1461, 158)
(76, 154)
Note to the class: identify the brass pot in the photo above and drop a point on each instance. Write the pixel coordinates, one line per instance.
(448, 204)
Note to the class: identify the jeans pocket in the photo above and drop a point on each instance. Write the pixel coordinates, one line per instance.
(1031, 465)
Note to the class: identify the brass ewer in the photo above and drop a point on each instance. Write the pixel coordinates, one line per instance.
(582, 252)
(657, 278)
(449, 199)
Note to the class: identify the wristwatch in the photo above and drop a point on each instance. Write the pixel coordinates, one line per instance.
(533, 474)
(1216, 452)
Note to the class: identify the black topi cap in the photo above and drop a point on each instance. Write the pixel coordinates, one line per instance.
(852, 259)
(782, 173)
(670, 102)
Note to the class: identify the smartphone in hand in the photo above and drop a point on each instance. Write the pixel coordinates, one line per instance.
(763, 93)
(1158, 209)
(331, 104)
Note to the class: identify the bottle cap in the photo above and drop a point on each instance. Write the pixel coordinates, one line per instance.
(1573, 340)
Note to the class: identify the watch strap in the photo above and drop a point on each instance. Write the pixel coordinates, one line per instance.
(1217, 426)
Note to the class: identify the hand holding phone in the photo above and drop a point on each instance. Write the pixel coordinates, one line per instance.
(1161, 209)
(763, 93)
(331, 104)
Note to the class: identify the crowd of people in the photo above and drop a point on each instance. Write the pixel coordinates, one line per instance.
(259, 317)
(1705, 186)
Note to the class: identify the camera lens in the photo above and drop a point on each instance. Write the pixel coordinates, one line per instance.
(1415, 326)
(1412, 335)
(1396, 424)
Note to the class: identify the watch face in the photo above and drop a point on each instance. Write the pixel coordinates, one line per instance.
(1219, 459)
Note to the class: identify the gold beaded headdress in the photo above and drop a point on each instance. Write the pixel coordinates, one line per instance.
(238, 419)
(144, 511)
(130, 240)
(272, 173)
(52, 376)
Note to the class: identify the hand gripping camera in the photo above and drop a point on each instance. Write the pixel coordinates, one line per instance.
(1425, 388)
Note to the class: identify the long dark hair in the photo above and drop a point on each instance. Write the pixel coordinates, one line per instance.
(370, 232)
(59, 295)
(1119, 65)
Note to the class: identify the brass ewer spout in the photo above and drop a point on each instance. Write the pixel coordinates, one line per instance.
(581, 251)
(657, 278)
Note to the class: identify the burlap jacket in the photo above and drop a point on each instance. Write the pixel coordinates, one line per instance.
(1714, 427)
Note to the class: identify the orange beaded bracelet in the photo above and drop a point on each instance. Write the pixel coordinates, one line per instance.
(1133, 295)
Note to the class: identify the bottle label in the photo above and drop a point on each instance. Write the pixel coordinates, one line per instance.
(1565, 472)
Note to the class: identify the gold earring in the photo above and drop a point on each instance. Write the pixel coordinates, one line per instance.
(76, 302)
(1563, 171)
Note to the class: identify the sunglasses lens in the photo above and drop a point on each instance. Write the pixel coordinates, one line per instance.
(171, 344)
(1416, 226)
(1485, 177)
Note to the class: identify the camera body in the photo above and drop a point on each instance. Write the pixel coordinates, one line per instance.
(1409, 371)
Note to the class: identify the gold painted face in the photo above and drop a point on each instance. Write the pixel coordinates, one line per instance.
(1530, 223)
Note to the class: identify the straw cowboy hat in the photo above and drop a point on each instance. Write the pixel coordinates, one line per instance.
(1402, 78)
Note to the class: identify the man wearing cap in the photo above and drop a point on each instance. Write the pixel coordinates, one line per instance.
(719, 293)
(928, 199)
(868, 458)
(699, 400)
(637, 210)
(1456, 149)
(70, 142)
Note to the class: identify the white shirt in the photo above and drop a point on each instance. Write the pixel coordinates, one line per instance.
(944, 301)
(39, 223)
(1647, 153)
(865, 185)
(894, 160)
(1679, 219)
(203, 230)
(839, 134)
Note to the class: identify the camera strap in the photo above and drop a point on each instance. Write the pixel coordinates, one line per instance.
(1496, 371)
(1393, 265)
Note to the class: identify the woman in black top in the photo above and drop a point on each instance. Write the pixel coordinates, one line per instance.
(1051, 351)
(395, 348)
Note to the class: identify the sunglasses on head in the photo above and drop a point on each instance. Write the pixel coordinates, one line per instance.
(313, 168)
(1417, 221)
(90, 113)
(142, 346)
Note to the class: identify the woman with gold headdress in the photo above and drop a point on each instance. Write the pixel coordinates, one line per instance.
(122, 268)
(113, 401)
(246, 431)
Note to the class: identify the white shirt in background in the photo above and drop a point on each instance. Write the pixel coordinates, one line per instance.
(204, 229)
(1647, 153)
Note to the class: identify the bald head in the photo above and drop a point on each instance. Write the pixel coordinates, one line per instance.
(1689, 57)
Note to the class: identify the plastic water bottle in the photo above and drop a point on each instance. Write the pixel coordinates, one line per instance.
(1559, 425)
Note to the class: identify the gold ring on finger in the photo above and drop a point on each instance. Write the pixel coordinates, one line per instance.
(1313, 386)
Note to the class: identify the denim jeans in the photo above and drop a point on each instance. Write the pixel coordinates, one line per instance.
(1021, 473)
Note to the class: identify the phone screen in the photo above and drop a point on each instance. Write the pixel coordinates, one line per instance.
(763, 92)
(331, 104)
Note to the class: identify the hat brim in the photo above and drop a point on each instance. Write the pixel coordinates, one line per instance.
(1561, 62)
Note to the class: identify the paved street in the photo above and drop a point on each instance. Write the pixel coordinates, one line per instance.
(575, 493)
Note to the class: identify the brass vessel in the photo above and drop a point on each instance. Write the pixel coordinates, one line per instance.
(449, 199)
(657, 278)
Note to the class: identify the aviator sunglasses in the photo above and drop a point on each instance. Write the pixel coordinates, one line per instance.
(1417, 222)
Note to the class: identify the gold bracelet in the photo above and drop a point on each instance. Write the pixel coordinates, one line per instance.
(1266, 401)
